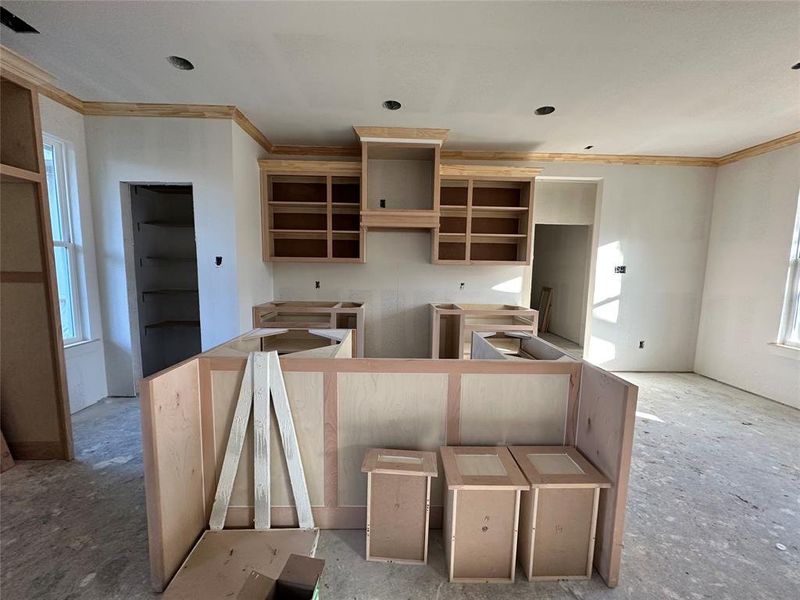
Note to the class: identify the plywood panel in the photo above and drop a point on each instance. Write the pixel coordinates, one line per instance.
(484, 534)
(19, 228)
(305, 397)
(27, 376)
(563, 532)
(173, 467)
(387, 410)
(513, 409)
(606, 418)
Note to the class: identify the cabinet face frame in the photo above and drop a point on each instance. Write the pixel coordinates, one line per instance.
(326, 172)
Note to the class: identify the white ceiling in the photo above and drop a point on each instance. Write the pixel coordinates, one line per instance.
(676, 78)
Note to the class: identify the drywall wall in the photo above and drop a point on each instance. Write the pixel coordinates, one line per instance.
(254, 275)
(654, 220)
(397, 282)
(85, 362)
(564, 202)
(561, 262)
(199, 152)
(755, 203)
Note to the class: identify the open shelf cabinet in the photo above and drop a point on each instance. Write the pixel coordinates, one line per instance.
(486, 215)
(310, 211)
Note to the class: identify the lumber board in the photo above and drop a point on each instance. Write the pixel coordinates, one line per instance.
(291, 448)
(230, 463)
(261, 435)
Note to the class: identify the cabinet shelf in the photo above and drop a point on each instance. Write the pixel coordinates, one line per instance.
(173, 325)
(171, 224)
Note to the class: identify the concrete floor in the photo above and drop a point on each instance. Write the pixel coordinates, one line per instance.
(568, 346)
(713, 512)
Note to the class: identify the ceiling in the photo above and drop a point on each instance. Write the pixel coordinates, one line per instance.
(670, 78)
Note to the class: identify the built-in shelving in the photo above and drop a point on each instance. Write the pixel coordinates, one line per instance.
(173, 325)
(486, 215)
(310, 211)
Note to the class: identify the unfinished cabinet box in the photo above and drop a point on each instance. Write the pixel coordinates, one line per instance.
(313, 315)
(481, 513)
(398, 504)
(558, 515)
(310, 211)
(486, 215)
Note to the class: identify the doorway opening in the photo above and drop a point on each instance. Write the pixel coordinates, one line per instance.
(564, 255)
(165, 266)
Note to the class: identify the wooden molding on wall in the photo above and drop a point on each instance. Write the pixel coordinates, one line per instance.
(19, 66)
(763, 148)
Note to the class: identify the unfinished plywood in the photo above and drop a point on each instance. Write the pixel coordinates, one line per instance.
(305, 397)
(606, 416)
(220, 563)
(173, 467)
(513, 409)
(483, 485)
(398, 504)
(19, 228)
(559, 512)
(386, 409)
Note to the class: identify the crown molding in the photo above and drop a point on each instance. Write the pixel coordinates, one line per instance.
(763, 148)
(15, 64)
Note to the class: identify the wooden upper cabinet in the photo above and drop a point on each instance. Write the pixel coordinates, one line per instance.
(400, 177)
(486, 215)
(310, 211)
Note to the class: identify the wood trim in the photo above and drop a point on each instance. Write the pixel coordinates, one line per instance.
(7, 172)
(330, 386)
(610, 159)
(311, 167)
(763, 148)
(401, 133)
(146, 109)
(300, 150)
(247, 126)
(453, 425)
(487, 171)
(62, 97)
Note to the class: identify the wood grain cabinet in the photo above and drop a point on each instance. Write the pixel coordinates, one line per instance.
(481, 513)
(486, 215)
(35, 410)
(558, 514)
(310, 211)
(398, 504)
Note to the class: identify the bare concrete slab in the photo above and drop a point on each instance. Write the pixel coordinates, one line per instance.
(714, 512)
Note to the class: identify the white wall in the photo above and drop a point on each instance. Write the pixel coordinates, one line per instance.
(146, 150)
(654, 220)
(755, 203)
(561, 261)
(397, 282)
(85, 362)
(564, 202)
(255, 276)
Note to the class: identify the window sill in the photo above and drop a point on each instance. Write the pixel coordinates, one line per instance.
(784, 350)
(80, 343)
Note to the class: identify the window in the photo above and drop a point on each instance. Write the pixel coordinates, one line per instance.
(64, 246)
(790, 321)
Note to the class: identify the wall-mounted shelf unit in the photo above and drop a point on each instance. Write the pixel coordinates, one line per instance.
(400, 175)
(486, 215)
(310, 211)
(452, 325)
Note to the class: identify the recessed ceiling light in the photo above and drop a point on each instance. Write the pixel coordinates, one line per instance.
(545, 110)
(14, 23)
(588, 147)
(180, 63)
(796, 67)
(391, 105)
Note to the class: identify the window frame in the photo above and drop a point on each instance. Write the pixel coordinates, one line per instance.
(789, 331)
(64, 204)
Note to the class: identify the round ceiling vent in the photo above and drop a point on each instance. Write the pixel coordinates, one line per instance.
(391, 105)
(180, 63)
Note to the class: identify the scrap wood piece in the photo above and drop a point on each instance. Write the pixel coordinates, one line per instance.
(291, 448)
(230, 463)
(261, 435)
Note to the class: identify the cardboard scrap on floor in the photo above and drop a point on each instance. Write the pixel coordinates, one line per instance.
(221, 562)
(299, 580)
